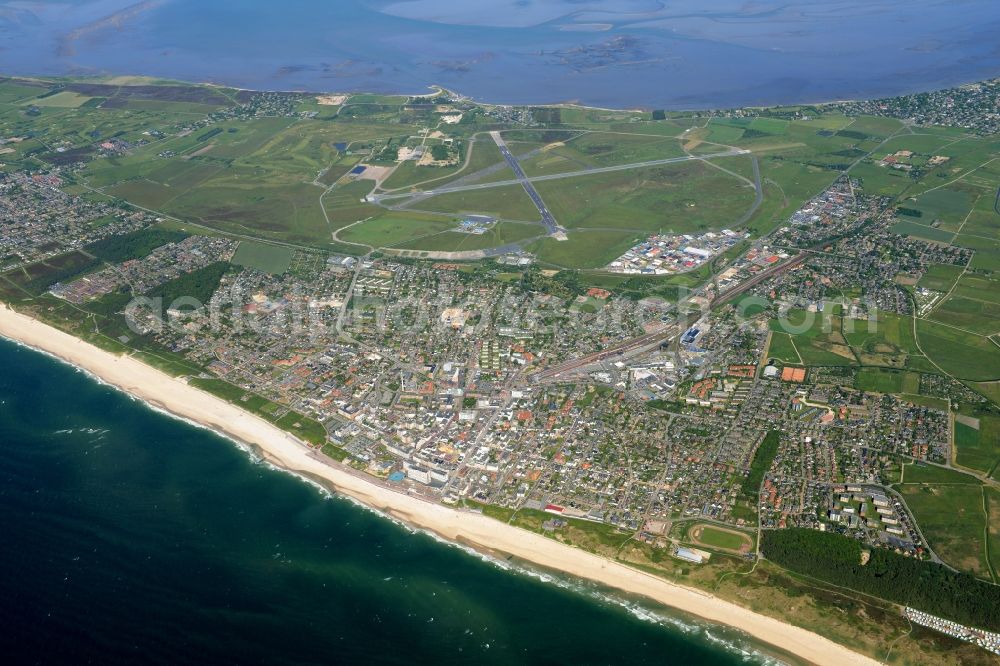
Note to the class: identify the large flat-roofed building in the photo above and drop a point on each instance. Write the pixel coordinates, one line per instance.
(690, 555)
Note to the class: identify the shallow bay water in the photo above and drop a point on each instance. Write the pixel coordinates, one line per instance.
(618, 53)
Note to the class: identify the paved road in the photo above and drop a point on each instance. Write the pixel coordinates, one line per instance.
(758, 197)
(376, 198)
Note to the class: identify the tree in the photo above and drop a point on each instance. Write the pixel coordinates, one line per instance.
(440, 152)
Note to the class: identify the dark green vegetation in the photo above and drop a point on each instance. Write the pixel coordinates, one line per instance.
(196, 286)
(924, 585)
(762, 460)
(37, 277)
(116, 249)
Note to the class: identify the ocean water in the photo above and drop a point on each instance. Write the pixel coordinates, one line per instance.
(615, 53)
(130, 536)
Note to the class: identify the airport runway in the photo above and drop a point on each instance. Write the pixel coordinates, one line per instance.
(524, 179)
(550, 222)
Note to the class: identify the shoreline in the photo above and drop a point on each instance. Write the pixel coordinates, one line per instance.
(158, 80)
(465, 528)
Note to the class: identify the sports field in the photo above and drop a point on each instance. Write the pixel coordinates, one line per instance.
(720, 537)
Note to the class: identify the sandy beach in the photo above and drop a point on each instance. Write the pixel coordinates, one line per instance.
(472, 529)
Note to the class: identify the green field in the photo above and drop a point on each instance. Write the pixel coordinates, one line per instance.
(273, 259)
(989, 389)
(940, 277)
(816, 337)
(977, 316)
(344, 204)
(951, 517)
(782, 349)
(979, 287)
(879, 380)
(875, 126)
(982, 221)
(683, 198)
(886, 341)
(977, 438)
(962, 354)
(394, 229)
(62, 100)
(509, 202)
(721, 538)
(596, 149)
(940, 404)
(248, 178)
(987, 248)
(12, 91)
(947, 206)
(926, 232)
(586, 248)
(914, 473)
(501, 233)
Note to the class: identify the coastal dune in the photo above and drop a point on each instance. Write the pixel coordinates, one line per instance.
(469, 528)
